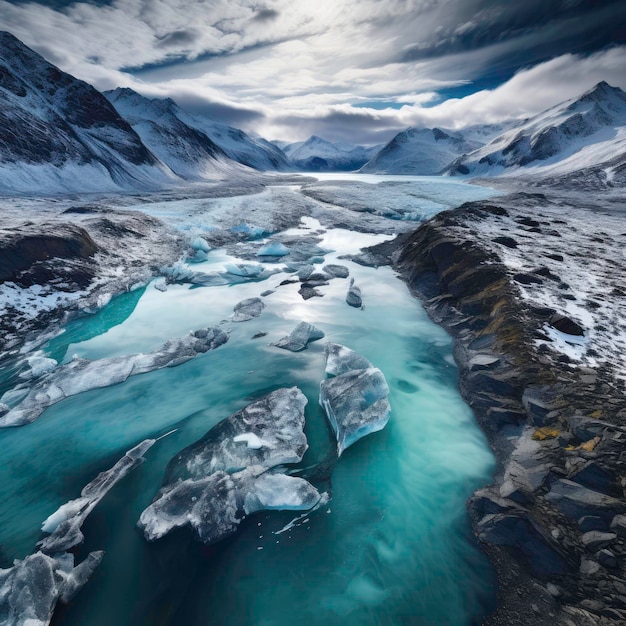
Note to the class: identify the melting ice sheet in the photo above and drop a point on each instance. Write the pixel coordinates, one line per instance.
(393, 546)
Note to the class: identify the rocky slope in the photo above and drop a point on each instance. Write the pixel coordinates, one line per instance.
(73, 263)
(583, 139)
(545, 389)
(193, 146)
(59, 134)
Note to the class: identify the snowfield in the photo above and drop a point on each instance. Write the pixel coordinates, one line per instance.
(567, 254)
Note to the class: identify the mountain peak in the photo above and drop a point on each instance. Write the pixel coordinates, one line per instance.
(603, 90)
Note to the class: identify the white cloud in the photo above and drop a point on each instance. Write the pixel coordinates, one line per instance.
(302, 65)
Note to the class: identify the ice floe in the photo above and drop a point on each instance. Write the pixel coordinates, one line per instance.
(82, 375)
(66, 522)
(248, 309)
(213, 484)
(356, 399)
(300, 337)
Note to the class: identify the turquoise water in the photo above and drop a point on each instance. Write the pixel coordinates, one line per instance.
(393, 546)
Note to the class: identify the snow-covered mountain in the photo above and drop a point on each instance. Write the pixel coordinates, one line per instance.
(318, 155)
(59, 134)
(584, 137)
(193, 145)
(420, 151)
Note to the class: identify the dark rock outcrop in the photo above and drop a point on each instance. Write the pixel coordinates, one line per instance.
(552, 521)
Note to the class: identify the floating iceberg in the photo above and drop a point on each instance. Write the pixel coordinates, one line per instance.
(274, 249)
(30, 590)
(245, 270)
(215, 483)
(81, 375)
(276, 419)
(248, 309)
(65, 523)
(340, 360)
(355, 400)
(353, 297)
(300, 337)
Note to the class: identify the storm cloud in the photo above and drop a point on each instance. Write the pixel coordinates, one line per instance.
(355, 70)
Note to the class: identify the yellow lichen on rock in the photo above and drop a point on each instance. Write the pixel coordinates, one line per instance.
(546, 432)
(588, 446)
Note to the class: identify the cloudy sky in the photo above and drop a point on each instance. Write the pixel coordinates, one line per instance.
(353, 70)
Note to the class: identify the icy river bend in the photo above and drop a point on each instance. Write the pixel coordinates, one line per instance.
(392, 546)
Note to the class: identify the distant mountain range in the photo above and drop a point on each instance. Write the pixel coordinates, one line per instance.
(193, 146)
(420, 151)
(318, 155)
(581, 138)
(581, 141)
(59, 134)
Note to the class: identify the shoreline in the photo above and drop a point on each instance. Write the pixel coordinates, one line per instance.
(550, 521)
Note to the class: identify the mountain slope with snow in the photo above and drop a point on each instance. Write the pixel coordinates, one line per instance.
(583, 138)
(420, 152)
(319, 155)
(194, 146)
(59, 134)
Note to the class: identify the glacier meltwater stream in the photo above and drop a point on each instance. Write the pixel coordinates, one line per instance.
(393, 545)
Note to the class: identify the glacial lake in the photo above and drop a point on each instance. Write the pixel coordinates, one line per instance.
(393, 545)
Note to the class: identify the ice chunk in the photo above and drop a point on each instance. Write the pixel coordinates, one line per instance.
(30, 590)
(76, 579)
(213, 484)
(81, 375)
(277, 419)
(38, 365)
(244, 269)
(355, 401)
(248, 309)
(280, 492)
(274, 249)
(65, 523)
(198, 243)
(340, 360)
(353, 297)
(300, 337)
(338, 271)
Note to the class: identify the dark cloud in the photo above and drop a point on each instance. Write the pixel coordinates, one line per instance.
(266, 15)
(178, 38)
(355, 127)
(221, 112)
(63, 4)
(547, 28)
